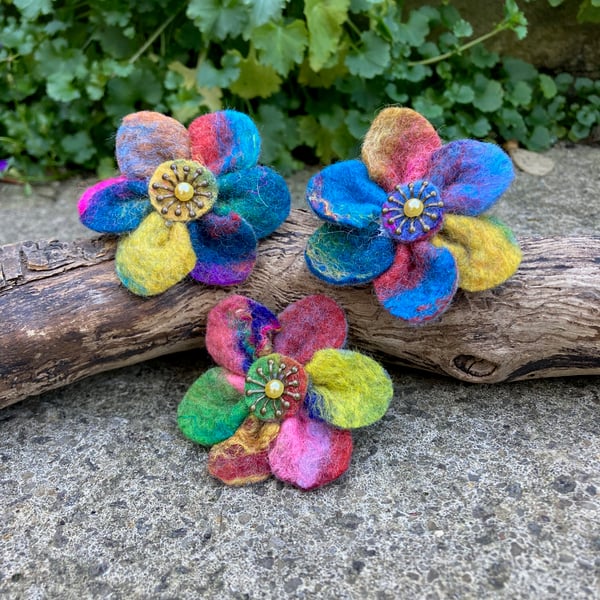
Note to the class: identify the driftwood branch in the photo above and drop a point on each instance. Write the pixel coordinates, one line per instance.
(65, 316)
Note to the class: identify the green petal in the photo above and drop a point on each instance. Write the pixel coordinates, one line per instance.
(348, 389)
(212, 409)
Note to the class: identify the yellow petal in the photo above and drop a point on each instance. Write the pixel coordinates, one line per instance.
(485, 250)
(155, 256)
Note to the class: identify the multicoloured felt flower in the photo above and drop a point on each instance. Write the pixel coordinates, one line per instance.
(188, 201)
(408, 217)
(285, 396)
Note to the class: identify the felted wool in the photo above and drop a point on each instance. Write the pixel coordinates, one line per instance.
(310, 324)
(395, 236)
(477, 243)
(204, 178)
(154, 257)
(351, 390)
(225, 248)
(344, 256)
(243, 458)
(259, 194)
(472, 174)
(398, 146)
(332, 195)
(115, 209)
(146, 139)
(420, 284)
(211, 410)
(225, 141)
(238, 331)
(308, 453)
(310, 389)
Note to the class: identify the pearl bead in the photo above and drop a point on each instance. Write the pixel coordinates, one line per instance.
(184, 191)
(274, 388)
(413, 207)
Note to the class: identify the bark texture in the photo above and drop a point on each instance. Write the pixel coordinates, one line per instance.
(64, 315)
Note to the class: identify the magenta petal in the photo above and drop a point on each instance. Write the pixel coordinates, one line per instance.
(309, 454)
(470, 175)
(420, 284)
(238, 330)
(313, 323)
(91, 191)
(146, 139)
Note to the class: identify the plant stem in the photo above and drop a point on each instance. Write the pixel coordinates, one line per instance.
(153, 37)
(486, 36)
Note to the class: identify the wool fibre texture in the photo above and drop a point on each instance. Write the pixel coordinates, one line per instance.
(351, 389)
(308, 453)
(212, 410)
(244, 457)
(154, 257)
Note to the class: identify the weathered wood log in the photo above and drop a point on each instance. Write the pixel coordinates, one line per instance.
(65, 315)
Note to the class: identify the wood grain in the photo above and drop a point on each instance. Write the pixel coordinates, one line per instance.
(65, 316)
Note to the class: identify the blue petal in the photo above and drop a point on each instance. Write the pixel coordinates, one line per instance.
(343, 193)
(117, 208)
(420, 284)
(258, 194)
(470, 175)
(225, 248)
(346, 256)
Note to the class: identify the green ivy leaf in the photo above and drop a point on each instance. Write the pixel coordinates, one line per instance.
(324, 21)
(462, 29)
(207, 75)
(218, 19)
(548, 86)
(483, 58)
(416, 29)
(521, 94)
(589, 11)
(281, 47)
(371, 58)
(32, 9)
(488, 98)
(78, 146)
(519, 70)
(541, 138)
(255, 80)
(262, 11)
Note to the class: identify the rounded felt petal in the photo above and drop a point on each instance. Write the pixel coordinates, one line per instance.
(225, 248)
(238, 330)
(471, 175)
(351, 389)
(115, 206)
(155, 256)
(146, 139)
(485, 250)
(420, 284)
(398, 146)
(258, 195)
(343, 193)
(308, 325)
(308, 453)
(225, 141)
(211, 410)
(345, 256)
(243, 458)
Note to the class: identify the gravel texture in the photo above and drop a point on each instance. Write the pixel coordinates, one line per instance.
(460, 492)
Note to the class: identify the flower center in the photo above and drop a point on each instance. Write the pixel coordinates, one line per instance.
(412, 211)
(275, 387)
(182, 190)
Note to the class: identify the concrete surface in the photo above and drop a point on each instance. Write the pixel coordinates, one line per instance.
(460, 492)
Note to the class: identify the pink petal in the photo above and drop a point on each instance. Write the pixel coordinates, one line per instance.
(311, 324)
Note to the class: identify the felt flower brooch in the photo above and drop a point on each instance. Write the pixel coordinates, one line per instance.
(285, 395)
(408, 217)
(188, 201)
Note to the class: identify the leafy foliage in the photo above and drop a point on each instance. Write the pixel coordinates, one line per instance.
(312, 74)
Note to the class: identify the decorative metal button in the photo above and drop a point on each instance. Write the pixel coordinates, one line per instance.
(182, 190)
(412, 211)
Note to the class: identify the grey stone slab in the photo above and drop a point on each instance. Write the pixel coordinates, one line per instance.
(459, 492)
